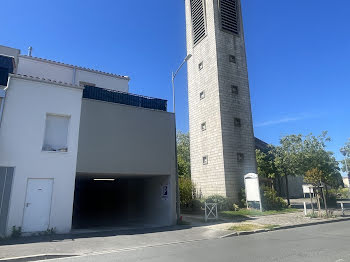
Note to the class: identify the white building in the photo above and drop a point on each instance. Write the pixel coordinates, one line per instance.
(76, 146)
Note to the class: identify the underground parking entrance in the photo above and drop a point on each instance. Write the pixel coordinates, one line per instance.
(122, 202)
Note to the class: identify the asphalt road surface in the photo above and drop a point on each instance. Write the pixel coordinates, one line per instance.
(329, 242)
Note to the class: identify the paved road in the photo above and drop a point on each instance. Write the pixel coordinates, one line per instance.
(329, 242)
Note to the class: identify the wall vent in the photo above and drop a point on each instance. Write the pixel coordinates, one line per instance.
(229, 16)
(198, 20)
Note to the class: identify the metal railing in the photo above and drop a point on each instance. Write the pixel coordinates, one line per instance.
(113, 96)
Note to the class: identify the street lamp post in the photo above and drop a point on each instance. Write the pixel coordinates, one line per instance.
(173, 75)
(344, 152)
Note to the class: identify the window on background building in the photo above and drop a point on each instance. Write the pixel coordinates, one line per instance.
(56, 133)
(234, 89)
(232, 59)
(205, 160)
(240, 157)
(237, 122)
(200, 66)
(202, 95)
(204, 126)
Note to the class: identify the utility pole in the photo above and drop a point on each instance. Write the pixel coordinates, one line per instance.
(173, 75)
(345, 154)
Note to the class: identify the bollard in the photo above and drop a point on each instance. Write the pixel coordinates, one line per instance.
(342, 208)
(305, 211)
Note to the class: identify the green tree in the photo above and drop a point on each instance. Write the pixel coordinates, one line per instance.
(183, 154)
(297, 154)
(317, 157)
(289, 158)
(266, 165)
(187, 191)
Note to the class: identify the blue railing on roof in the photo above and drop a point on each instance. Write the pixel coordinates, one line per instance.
(97, 93)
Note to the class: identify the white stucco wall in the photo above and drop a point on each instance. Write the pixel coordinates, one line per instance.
(60, 72)
(21, 138)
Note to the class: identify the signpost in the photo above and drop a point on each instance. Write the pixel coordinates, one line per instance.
(252, 190)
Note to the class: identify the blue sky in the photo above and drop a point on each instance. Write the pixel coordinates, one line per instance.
(298, 54)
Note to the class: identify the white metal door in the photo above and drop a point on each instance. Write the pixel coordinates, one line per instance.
(37, 205)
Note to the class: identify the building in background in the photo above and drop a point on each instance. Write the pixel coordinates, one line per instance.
(76, 148)
(221, 128)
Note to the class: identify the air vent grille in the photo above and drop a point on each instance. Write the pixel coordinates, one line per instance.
(229, 16)
(198, 20)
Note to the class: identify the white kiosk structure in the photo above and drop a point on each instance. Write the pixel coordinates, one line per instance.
(252, 190)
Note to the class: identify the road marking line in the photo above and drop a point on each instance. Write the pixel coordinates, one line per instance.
(130, 249)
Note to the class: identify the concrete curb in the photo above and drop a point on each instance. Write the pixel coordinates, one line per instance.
(243, 233)
(38, 257)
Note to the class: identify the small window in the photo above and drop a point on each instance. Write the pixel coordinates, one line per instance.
(205, 160)
(232, 59)
(56, 133)
(202, 95)
(237, 122)
(82, 83)
(234, 90)
(200, 66)
(204, 126)
(240, 157)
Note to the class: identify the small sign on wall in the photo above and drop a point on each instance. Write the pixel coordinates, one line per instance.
(164, 191)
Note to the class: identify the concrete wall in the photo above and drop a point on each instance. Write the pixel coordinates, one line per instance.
(158, 211)
(122, 140)
(60, 72)
(21, 139)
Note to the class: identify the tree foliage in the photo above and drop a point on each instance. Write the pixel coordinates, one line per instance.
(316, 157)
(187, 191)
(299, 154)
(314, 177)
(266, 165)
(289, 156)
(183, 154)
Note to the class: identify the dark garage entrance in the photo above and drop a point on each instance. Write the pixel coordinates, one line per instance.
(118, 201)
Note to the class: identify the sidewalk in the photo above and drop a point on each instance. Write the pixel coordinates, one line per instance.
(115, 240)
(97, 242)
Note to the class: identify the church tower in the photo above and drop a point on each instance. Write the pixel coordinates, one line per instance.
(221, 128)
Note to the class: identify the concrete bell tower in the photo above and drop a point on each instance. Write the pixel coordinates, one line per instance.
(221, 128)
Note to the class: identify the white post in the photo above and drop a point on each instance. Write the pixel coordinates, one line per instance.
(205, 206)
(216, 210)
(342, 208)
(305, 210)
